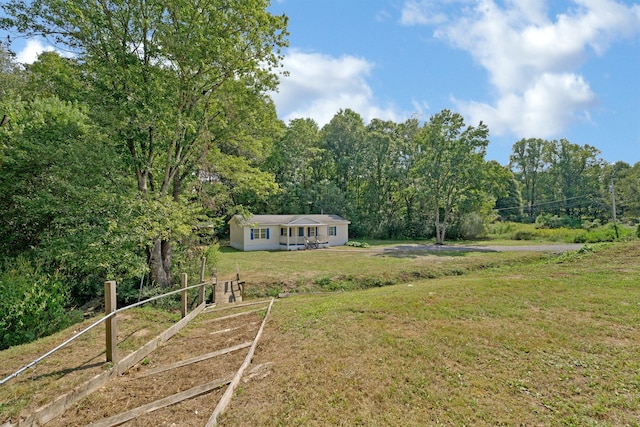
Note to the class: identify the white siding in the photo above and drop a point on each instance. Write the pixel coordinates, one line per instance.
(272, 243)
(241, 234)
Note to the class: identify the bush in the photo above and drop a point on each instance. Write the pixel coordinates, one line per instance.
(357, 244)
(33, 304)
(554, 221)
(523, 235)
(472, 226)
(502, 229)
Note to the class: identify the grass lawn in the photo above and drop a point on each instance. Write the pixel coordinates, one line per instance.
(491, 338)
(269, 273)
(553, 342)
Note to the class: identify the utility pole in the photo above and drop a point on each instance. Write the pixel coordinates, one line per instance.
(613, 204)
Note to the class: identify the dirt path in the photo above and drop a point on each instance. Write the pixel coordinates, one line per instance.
(555, 248)
(168, 371)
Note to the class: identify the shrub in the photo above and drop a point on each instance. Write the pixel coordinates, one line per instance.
(523, 235)
(554, 221)
(500, 229)
(33, 304)
(590, 225)
(472, 226)
(357, 244)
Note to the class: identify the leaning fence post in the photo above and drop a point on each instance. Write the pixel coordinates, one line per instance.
(240, 284)
(201, 289)
(183, 296)
(110, 303)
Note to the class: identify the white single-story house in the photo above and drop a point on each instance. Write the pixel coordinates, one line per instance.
(287, 232)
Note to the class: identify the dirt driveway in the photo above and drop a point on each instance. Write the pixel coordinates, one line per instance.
(554, 248)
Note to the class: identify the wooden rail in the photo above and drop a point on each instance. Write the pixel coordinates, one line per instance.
(49, 411)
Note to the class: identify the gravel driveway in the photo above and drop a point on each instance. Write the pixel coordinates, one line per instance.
(556, 248)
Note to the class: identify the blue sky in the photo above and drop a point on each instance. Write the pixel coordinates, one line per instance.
(527, 68)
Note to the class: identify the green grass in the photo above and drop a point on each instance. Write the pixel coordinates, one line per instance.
(269, 273)
(492, 339)
(554, 342)
(518, 232)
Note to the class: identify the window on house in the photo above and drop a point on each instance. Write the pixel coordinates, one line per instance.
(301, 231)
(311, 231)
(259, 233)
(283, 232)
(332, 231)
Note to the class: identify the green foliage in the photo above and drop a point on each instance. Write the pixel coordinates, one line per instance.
(593, 233)
(451, 168)
(606, 233)
(33, 303)
(523, 235)
(357, 244)
(548, 220)
(472, 226)
(501, 230)
(12, 76)
(179, 87)
(65, 200)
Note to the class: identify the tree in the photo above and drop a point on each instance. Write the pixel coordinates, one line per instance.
(382, 157)
(11, 77)
(342, 140)
(451, 165)
(52, 75)
(295, 160)
(626, 181)
(69, 217)
(408, 192)
(509, 206)
(528, 163)
(575, 172)
(169, 80)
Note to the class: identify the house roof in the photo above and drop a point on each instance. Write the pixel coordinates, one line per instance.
(291, 220)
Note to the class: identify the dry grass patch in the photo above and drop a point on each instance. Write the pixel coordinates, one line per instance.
(74, 364)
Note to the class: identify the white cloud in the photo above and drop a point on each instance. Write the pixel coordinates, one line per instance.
(422, 12)
(31, 50)
(319, 85)
(543, 110)
(533, 60)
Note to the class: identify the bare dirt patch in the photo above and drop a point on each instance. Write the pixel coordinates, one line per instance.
(85, 358)
(136, 388)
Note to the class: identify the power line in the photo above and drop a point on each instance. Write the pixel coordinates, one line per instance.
(585, 196)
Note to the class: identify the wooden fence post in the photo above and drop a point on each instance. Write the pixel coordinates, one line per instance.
(240, 284)
(201, 289)
(110, 303)
(183, 294)
(215, 283)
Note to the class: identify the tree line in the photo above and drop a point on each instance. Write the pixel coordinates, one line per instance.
(122, 158)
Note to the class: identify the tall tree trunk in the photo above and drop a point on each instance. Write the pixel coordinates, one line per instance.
(441, 227)
(160, 262)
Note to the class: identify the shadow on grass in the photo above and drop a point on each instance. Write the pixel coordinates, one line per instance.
(410, 251)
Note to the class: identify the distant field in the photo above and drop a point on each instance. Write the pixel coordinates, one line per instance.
(549, 343)
(349, 268)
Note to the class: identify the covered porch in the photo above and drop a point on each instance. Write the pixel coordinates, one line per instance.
(303, 233)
